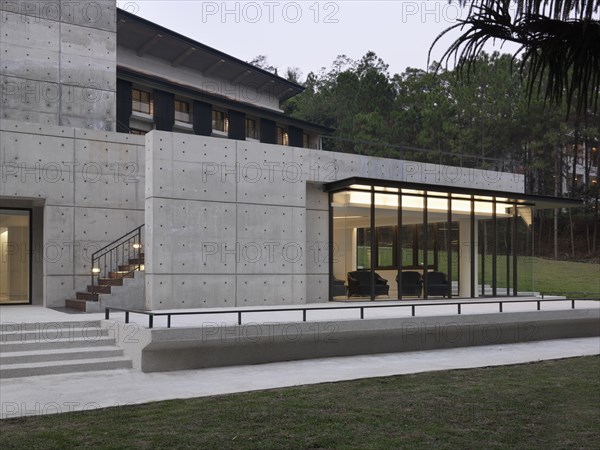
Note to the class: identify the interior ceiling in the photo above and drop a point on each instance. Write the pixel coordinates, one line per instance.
(359, 216)
(10, 221)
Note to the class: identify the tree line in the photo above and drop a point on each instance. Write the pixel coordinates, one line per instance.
(485, 119)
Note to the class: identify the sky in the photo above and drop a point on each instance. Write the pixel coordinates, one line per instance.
(311, 34)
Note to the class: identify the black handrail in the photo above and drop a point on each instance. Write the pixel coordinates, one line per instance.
(118, 253)
(418, 154)
(304, 309)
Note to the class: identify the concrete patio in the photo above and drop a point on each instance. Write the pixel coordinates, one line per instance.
(67, 392)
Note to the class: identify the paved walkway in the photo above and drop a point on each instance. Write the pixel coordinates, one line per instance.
(76, 392)
(84, 391)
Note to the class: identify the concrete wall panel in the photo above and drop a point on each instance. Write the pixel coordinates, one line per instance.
(35, 183)
(317, 290)
(88, 107)
(93, 188)
(21, 95)
(316, 198)
(96, 44)
(59, 58)
(317, 242)
(260, 290)
(57, 288)
(97, 14)
(46, 152)
(30, 32)
(29, 62)
(189, 291)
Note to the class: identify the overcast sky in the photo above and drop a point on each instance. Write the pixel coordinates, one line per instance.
(310, 34)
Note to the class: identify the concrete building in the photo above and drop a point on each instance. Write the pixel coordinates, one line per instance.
(143, 169)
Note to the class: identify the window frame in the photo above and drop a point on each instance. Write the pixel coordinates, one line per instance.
(187, 113)
(223, 120)
(139, 101)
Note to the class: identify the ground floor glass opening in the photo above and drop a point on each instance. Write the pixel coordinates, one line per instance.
(15, 268)
(400, 242)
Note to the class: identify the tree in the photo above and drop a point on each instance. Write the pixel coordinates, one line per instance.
(559, 39)
(262, 62)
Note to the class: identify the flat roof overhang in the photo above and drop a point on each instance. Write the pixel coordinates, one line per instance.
(538, 201)
(149, 38)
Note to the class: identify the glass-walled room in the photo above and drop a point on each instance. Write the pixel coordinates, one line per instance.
(403, 241)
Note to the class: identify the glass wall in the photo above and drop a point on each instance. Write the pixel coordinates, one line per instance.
(396, 243)
(14, 256)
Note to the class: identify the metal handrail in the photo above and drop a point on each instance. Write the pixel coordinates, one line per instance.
(116, 253)
(304, 309)
(427, 154)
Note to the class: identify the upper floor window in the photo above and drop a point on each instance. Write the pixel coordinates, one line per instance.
(182, 111)
(219, 121)
(142, 101)
(306, 140)
(282, 137)
(251, 131)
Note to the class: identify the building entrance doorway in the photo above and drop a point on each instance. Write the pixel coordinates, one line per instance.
(15, 256)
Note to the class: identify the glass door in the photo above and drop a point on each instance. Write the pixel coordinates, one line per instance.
(15, 240)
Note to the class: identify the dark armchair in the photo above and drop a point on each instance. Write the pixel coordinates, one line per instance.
(339, 289)
(411, 283)
(437, 284)
(359, 284)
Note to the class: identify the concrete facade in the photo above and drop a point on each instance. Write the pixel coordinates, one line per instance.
(227, 222)
(85, 188)
(233, 223)
(58, 63)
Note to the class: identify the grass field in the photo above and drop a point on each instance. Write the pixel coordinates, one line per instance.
(552, 404)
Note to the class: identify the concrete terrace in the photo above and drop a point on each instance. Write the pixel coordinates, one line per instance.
(228, 316)
(68, 392)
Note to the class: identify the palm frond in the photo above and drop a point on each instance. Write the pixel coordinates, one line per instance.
(559, 39)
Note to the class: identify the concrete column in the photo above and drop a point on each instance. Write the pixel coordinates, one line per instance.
(464, 261)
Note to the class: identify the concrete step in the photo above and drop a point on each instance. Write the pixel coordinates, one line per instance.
(78, 342)
(43, 326)
(64, 354)
(53, 334)
(56, 367)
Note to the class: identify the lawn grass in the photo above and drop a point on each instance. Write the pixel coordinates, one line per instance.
(551, 404)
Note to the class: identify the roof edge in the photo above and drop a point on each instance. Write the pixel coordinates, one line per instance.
(540, 201)
(125, 15)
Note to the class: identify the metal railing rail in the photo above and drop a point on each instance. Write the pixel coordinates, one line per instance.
(118, 253)
(304, 309)
(418, 154)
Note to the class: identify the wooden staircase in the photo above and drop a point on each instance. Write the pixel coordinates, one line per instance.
(106, 285)
(110, 266)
